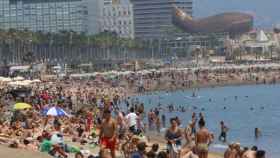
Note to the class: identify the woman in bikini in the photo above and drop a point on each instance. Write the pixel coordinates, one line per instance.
(174, 136)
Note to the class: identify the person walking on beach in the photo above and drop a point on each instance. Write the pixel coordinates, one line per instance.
(224, 130)
(108, 133)
(132, 120)
(202, 140)
(173, 136)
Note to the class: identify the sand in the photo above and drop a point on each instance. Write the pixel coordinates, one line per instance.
(6, 152)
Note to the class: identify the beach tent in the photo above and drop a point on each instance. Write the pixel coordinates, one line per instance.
(19, 68)
(18, 78)
(19, 83)
(21, 106)
(4, 79)
(36, 81)
(56, 111)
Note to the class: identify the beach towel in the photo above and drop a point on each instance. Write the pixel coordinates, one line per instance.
(74, 149)
(46, 146)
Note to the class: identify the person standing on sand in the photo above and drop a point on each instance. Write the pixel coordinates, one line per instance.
(89, 120)
(131, 119)
(174, 136)
(158, 124)
(163, 118)
(194, 120)
(108, 133)
(188, 134)
(202, 140)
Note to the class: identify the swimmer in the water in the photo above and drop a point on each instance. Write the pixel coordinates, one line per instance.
(193, 94)
(225, 108)
(251, 108)
(246, 96)
(257, 133)
(235, 97)
(202, 109)
(210, 100)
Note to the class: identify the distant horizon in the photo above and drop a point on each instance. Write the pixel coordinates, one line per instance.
(263, 11)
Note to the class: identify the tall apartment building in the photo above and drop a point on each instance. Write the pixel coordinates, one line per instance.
(50, 15)
(118, 17)
(153, 17)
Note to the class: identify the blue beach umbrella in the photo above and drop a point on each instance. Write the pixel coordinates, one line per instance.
(56, 111)
(44, 111)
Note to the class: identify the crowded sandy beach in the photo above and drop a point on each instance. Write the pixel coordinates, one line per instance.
(93, 115)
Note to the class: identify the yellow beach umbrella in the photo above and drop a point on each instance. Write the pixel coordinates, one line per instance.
(21, 106)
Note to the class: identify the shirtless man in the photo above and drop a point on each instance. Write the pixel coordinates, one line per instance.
(108, 133)
(202, 140)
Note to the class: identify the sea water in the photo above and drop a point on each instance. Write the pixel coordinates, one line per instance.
(242, 108)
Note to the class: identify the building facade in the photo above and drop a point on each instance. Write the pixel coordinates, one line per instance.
(93, 16)
(107, 2)
(118, 17)
(42, 15)
(50, 15)
(152, 18)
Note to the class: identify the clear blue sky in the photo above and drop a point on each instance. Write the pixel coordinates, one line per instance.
(266, 12)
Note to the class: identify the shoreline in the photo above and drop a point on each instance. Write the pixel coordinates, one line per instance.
(205, 86)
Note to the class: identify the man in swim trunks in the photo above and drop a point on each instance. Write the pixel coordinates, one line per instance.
(108, 133)
(202, 140)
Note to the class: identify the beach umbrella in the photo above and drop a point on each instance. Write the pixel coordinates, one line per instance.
(20, 106)
(56, 111)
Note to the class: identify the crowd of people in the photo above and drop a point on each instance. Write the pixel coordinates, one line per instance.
(95, 124)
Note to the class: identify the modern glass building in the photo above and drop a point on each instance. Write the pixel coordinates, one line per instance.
(43, 15)
(152, 18)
